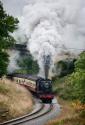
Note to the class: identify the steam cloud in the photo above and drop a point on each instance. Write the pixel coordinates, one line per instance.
(53, 26)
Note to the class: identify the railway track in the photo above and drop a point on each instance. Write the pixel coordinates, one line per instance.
(42, 110)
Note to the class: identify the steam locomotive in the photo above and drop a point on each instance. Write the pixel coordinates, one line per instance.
(42, 87)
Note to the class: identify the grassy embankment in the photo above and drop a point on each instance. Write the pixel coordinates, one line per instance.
(15, 100)
(71, 113)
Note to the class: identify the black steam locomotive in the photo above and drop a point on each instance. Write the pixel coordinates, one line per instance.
(44, 89)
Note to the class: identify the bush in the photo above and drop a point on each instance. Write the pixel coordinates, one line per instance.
(75, 83)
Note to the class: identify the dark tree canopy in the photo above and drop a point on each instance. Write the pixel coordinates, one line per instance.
(8, 24)
(28, 65)
(3, 62)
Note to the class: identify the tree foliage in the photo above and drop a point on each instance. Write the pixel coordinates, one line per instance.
(3, 62)
(28, 65)
(7, 26)
(80, 63)
(75, 83)
(65, 67)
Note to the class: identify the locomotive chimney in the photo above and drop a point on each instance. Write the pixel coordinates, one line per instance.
(46, 65)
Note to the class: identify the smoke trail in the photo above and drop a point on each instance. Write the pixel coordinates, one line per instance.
(47, 63)
(53, 26)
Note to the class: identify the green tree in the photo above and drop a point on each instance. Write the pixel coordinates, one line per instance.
(3, 62)
(7, 26)
(80, 63)
(28, 65)
(75, 83)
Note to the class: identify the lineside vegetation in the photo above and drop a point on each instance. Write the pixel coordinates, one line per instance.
(70, 90)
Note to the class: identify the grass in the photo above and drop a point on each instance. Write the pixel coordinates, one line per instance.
(68, 115)
(3, 89)
(15, 100)
(70, 121)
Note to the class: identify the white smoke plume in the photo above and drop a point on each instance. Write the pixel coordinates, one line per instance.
(53, 26)
(14, 56)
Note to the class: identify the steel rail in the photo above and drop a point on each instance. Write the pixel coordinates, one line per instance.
(30, 117)
(33, 117)
(24, 116)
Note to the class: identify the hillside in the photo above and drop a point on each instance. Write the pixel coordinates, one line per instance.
(15, 100)
(70, 92)
(72, 112)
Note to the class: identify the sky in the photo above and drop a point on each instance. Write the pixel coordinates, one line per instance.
(14, 7)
